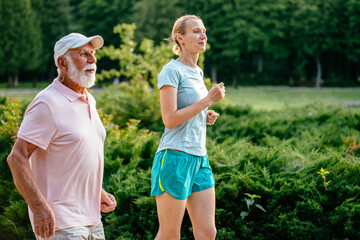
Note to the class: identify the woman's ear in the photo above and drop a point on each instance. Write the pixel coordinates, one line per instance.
(179, 38)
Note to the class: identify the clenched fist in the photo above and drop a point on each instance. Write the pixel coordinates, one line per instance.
(216, 93)
(211, 117)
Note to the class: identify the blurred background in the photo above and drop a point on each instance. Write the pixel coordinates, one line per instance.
(291, 112)
(251, 43)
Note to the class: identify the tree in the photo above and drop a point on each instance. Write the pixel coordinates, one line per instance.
(265, 30)
(313, 28)
(351, 41)
(155, 18)
(21, 43)
(99, 17)
(132, 66)
(56, 21)
(227, 38)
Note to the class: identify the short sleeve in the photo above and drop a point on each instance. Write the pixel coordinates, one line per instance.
(169, 76)
(38, 126)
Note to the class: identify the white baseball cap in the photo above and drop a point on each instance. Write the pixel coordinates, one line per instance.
(75, 40)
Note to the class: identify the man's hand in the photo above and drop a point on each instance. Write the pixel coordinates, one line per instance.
(211, 117)
(44, 221)
(108, 202)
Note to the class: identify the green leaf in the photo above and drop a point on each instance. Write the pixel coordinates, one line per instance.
(244, 214)
(260, 207)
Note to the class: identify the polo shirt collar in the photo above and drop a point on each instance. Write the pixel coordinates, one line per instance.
(68, 93)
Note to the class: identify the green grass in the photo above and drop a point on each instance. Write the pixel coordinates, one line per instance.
(27, 85)
(259, 98)
(276, 98)
(25, 89)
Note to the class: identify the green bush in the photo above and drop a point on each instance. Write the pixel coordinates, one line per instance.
(132, 101)
(276, 155)
(14, 220)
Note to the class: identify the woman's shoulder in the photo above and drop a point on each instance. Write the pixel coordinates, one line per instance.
(171, 68)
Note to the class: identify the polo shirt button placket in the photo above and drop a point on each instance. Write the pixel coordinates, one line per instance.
(85, 101)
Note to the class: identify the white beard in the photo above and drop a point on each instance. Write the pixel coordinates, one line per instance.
(80, 77)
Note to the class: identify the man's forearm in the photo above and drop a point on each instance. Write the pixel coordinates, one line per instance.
(25, 182)
(18, 161)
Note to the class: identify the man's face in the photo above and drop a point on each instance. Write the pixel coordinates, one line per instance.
(82, 65)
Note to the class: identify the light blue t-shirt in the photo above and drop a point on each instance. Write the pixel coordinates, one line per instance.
(189, 137)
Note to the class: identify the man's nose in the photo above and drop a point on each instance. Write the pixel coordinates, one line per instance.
(92, 58)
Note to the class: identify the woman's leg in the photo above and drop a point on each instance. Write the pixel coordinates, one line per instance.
(201, 209)
(170, 213)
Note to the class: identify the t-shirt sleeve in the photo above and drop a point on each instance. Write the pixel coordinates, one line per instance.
(38, 126)
(169, 76)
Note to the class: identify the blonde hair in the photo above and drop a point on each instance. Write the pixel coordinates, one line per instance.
(179, 27)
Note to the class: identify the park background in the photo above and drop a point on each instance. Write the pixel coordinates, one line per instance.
(277, 42)
(285, 151)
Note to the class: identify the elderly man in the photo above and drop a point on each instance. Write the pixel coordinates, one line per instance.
(58, 159)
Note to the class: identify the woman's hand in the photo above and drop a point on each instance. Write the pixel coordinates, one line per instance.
(211, 117)
(216, 93)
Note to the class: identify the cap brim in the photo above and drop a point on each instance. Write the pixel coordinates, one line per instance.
(96, 42)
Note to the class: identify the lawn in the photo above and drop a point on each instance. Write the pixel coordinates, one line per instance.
(276, 98)
(261, 98)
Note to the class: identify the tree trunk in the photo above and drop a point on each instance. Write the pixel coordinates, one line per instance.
(260, 63)
(213, 75)
(234, 82)
(34, 82)
(13, 80)
(319, 81)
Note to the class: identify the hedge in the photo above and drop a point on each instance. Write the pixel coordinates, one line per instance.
(274, 156)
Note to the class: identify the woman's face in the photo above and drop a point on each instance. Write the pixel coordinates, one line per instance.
(194, 40)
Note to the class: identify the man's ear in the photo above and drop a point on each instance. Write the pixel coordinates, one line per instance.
(62, 62)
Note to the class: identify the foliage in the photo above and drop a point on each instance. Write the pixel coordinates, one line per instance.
(155, 18)
(276, 155)
(13, 209)
(21, 23)
(99, 17)
(10, 118)
(250, 203)
(56, 21)
(323, 173)
(279, 42)
(137, 96)
(136, 101)
(144, 66)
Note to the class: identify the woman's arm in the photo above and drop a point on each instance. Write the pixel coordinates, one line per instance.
(173, 117)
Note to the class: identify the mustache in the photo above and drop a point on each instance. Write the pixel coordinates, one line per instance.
(89, 66)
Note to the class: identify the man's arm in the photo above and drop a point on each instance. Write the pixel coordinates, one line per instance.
(18, 160)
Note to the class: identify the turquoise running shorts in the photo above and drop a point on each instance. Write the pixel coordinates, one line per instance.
(179, 174)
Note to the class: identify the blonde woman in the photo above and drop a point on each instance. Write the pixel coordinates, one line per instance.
(181, 176)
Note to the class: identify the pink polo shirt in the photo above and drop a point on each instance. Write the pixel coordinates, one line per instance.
(69, 161)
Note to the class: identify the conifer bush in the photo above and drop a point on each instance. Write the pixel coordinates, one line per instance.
(276, 155)
(14, 223)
